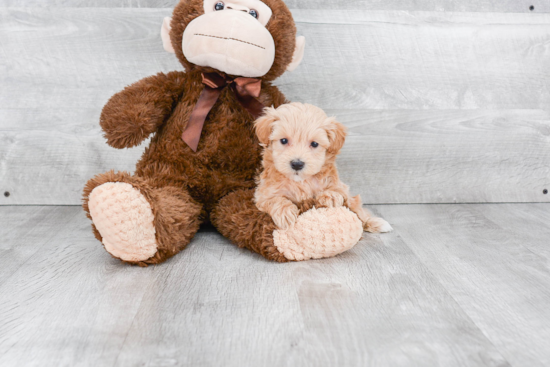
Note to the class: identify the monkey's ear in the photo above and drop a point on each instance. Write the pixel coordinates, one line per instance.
(336, 135)
(264, 125)
(165, 34)
(298, 53)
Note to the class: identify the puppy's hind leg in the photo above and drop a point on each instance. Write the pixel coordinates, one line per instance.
(370, 223)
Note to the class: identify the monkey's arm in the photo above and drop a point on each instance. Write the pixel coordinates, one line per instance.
(140, 109)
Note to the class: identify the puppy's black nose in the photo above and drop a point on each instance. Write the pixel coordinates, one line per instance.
(297, 165)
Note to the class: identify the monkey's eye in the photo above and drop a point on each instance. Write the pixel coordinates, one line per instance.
(219, 6)
(254, 13)
(284, 141)
(314, 144)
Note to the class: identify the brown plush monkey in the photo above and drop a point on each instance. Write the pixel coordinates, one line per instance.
(202, 160)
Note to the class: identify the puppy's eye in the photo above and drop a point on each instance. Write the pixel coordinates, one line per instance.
(254, 13)
(314, 144)
(219, 6)
(284, 141)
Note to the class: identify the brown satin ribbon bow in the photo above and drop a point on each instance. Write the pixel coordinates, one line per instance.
(246, 90)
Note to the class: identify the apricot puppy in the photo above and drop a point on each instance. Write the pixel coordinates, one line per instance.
(301, 144)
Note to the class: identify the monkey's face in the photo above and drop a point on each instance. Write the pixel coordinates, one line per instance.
(249, 38)
(231, 37)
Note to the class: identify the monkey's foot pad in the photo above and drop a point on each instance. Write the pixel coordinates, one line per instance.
(124, 219)
(319, 233)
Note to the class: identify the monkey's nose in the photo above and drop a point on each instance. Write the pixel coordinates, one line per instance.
(297, 165)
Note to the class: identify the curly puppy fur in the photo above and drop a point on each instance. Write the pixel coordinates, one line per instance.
(184, 187)
(299, 165)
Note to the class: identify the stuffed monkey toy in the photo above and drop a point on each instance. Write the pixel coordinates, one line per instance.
(201, 163)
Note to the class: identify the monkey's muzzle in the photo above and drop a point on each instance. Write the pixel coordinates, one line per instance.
(230, 41)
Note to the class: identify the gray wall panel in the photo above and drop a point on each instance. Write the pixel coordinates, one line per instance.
(442, 107)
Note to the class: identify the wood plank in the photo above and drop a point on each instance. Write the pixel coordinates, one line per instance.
(376, 305)
(389, 156)
(488, 269)
(362, 59)
(529, 220)
(446, 156)
(510, 6)
(90, 3)
(24, 231)
(422, 60)
(47, 158)
(77, 58)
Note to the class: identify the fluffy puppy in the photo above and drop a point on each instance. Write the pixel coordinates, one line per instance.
(301, 144)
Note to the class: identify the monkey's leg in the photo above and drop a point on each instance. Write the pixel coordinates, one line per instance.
(137, 222)
(237, 218)
(318, 233)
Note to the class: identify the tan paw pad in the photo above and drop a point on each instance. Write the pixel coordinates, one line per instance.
(319, 233)
(124, 219)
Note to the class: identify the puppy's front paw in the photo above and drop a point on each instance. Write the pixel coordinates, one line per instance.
(286, 216)
(377, 225)
(330, 199)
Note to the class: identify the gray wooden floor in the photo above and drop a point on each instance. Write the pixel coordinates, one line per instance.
(454, 285)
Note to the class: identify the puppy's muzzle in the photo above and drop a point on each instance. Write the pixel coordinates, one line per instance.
(297, 165)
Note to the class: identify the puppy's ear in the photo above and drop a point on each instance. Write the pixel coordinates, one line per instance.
(264, 125)
(336, 135)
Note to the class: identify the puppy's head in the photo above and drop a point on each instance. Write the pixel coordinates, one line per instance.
(299, 138)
